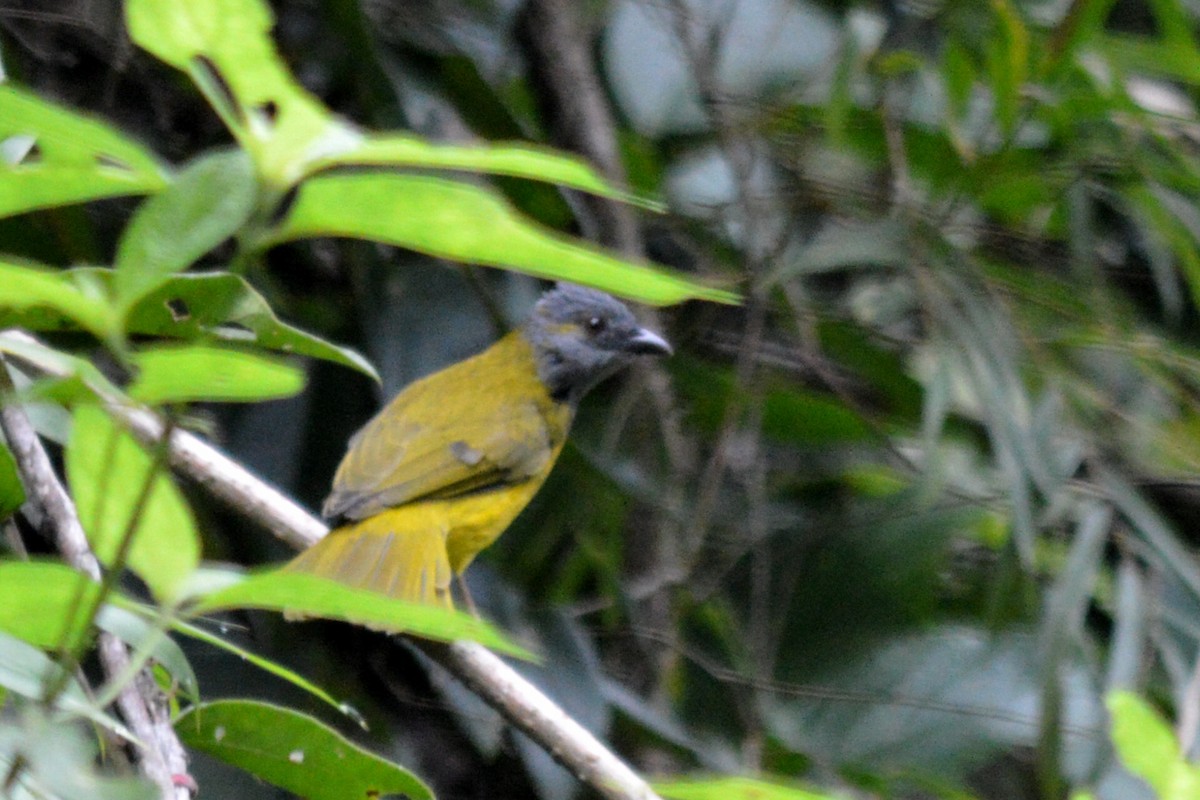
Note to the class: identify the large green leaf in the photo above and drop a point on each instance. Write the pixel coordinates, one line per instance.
(108, 472)
(295, 752)
(189, 373)
(469, 223)
(311, 596)
(42, 597)
(207, 203)
(224, 46)
(50, 156)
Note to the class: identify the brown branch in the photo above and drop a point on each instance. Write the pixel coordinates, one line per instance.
(162, 757)
(578, 113)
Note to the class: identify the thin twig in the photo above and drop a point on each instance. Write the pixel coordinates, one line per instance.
(580, 115)
(162, 758)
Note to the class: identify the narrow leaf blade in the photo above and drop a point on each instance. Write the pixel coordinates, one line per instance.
(311, 596)
(199, 372)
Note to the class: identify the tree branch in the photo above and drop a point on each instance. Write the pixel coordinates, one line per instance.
(162, 758)
(487, 675)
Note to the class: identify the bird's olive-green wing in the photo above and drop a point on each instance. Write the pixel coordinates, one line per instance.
(481, 423)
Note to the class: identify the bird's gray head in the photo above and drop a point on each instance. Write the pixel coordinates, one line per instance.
(581, 336)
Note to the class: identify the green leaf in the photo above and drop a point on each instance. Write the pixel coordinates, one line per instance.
(732, 788)
(311, 596)
(295, 752)
(1144, 741)
(27, 671)
(205, 205)
(460, 221)
(215, 306)
(41, 598)
(176, 374)
(516, 160)
(76, 296)
(223, 307)
(108, 471)
(12, 492)
(225, 48)
(50, 156)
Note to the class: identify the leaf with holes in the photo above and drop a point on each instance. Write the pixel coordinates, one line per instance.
(468, 223)
(201, 307)
(224, 45)
(209, 201)
(222, 307)
(51, 157)
(225, 48)
(121, 492)
(295, 752)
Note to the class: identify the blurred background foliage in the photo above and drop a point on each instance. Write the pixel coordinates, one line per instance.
(897, 524)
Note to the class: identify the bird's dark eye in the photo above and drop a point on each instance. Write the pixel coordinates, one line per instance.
(596, 325)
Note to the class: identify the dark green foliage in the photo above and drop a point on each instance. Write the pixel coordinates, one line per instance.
(897, 525)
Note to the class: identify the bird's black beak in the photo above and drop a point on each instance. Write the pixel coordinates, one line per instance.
(647, 343)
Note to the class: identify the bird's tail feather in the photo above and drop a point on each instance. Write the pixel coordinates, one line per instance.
(387, 554)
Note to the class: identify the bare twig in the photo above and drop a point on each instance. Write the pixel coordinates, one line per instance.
(162, 758)
(580, 114)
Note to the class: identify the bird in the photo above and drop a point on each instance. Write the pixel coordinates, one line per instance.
(446, 466)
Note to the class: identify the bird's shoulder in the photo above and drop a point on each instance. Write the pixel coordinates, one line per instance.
(480, 423)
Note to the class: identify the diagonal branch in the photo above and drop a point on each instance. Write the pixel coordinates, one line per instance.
(519, 701)
(162, 758)
(486, 674)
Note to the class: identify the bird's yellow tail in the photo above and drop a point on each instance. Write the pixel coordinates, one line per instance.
(391, 553)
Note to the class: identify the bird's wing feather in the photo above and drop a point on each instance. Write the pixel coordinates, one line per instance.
(438, 439)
